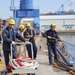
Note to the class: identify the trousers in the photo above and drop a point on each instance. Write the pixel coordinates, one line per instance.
(30, 51)
(6, 56)
(52, 48)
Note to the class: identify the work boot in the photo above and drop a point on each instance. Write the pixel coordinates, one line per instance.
(28, 73)
(9, 70)
(33, 74)
(50, 64)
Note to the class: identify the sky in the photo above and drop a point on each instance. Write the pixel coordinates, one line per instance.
(45, 6)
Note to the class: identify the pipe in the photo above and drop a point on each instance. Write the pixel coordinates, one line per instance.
(65, 60)
(66, 67)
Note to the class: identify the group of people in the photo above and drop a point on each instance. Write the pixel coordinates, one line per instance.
(2, 26)
(9, 35)
(25, 33)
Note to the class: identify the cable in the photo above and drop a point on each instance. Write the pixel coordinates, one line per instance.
(63, 66)
(65, 2)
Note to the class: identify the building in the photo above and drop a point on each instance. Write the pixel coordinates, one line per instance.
(63, 22)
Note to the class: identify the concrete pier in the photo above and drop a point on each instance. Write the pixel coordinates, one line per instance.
(44, 67)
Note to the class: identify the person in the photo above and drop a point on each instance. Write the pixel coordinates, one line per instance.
(9, 36)
(4, 25)
(1, 21)
(20, 52)
(29, 34)
(52, 37)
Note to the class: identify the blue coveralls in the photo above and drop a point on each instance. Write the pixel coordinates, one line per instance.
(32, 40)
(8, 37)
(51, 44)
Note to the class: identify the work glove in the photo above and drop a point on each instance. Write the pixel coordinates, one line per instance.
(49, 37)
(13, 42)
(59, 40)
(27, 42)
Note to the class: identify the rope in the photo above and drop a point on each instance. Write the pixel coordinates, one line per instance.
(62, 41)
(67, 43)
(73, 73)
(64, 67)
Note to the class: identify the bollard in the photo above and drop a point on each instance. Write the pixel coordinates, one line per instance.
(40, 47)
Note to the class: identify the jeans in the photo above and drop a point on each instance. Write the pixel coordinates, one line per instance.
(30, 51)
(52, 48)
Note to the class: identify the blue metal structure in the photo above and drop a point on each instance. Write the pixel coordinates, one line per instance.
(27, 11)
(26, 4)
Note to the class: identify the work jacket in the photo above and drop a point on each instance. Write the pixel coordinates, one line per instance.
(30, 32)
(8, 37)
(53, 35)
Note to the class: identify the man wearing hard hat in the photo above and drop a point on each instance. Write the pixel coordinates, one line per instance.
(52, 37)
(9, 36)
(29, 34)
(20, 51)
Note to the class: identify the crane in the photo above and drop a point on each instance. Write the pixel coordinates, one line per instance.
(70, 3)
(12, 5)
(26, 10)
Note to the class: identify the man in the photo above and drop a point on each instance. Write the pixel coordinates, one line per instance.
(20, 52)
(4, 25)
(29, 34)
(51, 36)
(9, 36)
(0, 36)
(1, 29)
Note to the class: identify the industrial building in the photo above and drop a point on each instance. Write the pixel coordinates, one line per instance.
(63, 22)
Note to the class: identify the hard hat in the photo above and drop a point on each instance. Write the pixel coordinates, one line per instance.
(52, 25)
(28, 24)
(21, 26)
(11, 21)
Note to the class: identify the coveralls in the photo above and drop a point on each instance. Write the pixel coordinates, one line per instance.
(9, 36)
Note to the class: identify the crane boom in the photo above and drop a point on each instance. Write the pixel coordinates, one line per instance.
(62, 10)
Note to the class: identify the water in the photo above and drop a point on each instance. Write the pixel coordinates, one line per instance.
(70, 39)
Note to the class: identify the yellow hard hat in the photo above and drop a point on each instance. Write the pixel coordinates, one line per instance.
(11, 21)
(52, 25)
(21, 26)
(28, 24)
